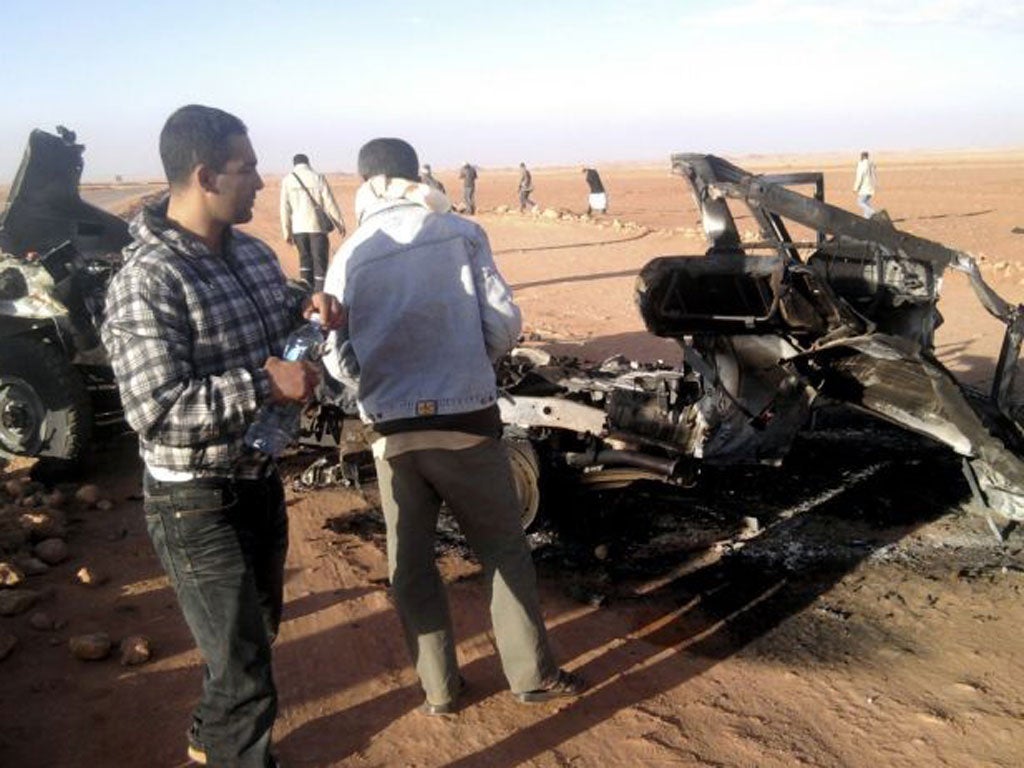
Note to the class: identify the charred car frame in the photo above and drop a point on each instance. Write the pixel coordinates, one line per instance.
(771, 330)
(57, 254)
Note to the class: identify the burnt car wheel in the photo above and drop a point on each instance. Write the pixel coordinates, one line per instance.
(44, 405)
(526, 473)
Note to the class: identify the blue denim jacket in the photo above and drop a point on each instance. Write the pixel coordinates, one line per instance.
(428, 314)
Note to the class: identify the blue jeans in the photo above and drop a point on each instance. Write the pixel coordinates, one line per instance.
(222, 543)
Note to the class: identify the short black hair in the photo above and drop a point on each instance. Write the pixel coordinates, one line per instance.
(300, 158)
(394, 158)
(197, 135)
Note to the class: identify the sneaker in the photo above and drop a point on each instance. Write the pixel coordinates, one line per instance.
(449, 707)
(565, 686)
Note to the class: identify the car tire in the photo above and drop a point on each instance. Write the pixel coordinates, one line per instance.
(45, 410)
(525, 467)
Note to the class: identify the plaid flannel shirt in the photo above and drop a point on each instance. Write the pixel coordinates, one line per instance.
(188, 332)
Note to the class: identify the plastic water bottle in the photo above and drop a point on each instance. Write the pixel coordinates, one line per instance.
(277, 424)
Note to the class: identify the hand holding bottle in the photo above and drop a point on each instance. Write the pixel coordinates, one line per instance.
(291, 381)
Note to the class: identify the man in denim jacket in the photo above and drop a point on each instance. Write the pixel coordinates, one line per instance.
(429, 315)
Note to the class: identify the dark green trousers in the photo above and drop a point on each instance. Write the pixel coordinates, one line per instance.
(477, 485)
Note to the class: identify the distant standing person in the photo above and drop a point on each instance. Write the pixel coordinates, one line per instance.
(468, 176)
(864, 184)
(308, 213)
(597, 202)
(428, 178)
(525, 188)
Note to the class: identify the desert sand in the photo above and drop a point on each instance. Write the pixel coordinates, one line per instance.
(904, 651)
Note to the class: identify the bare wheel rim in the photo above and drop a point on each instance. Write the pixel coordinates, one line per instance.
(526, 475)
(21, 416)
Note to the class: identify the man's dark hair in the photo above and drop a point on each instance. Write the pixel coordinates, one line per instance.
(197, 135)
(300, 158)
(393, 158)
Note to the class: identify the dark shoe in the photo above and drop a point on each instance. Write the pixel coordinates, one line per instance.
(565, 686)
(449, 707)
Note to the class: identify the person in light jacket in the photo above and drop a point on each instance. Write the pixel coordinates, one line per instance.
(303, 191)
(428, 317)
(864, 184)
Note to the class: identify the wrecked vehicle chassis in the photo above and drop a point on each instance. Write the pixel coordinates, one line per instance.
(771, 331)
(57, 255)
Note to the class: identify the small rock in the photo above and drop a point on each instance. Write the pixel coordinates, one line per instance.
(15, 488)
(135, 650)
(51, 551)
(42, 621)
(10, 575)
(44, 524)
(104, 505)
(91, 647)
(88, 494)
(55, 498)
(32, 566)
(550, 213)
(89, 577)
(7, 644)
(15, 601)
(31, 501)
(601, 551)
(501, 209)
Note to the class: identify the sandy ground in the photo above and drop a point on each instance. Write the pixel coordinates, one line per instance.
(874, 623)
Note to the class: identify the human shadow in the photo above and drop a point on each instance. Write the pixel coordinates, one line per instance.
(566, 246)
(576, 279)
(711, 612)
(965, 215)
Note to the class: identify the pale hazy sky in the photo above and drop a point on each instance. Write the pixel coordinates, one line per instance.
(556, 82)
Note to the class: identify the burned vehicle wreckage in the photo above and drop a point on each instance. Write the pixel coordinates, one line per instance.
(57, 254)
(770, 331)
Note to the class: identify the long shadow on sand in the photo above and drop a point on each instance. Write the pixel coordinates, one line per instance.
(843, 495)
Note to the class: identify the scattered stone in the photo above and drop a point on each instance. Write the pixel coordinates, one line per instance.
(18, 600)
(10, 575)
(135, 650)
(91, 647)
(12, 535)
(550, 213)
(501, 209)
(601, 551)
(51, 551)
(15, 488)
(55, 498)
(44, 524)
(89, 577)
(104, 505)
(88, 494)
(42, 621)
(7, 644)
(32, 566)
(31, 501)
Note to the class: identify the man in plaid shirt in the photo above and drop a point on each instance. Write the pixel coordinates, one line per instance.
(195, 321)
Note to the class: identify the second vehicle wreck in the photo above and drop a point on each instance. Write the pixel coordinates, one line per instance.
(770, 330)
